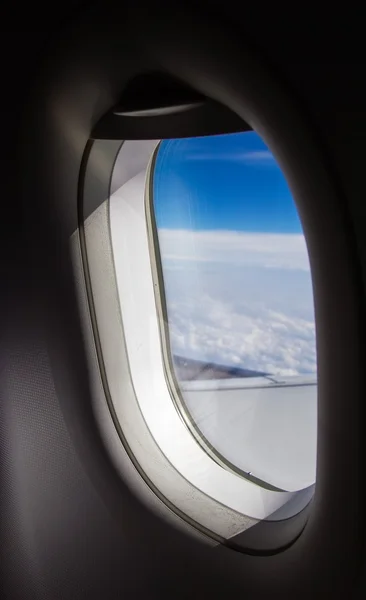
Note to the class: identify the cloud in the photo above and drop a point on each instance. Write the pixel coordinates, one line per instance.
(271, 251)
(240, 299)
(260, 157)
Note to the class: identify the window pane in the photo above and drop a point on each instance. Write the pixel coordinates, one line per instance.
(238, 304)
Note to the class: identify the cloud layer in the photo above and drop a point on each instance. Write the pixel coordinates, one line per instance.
(240, 299)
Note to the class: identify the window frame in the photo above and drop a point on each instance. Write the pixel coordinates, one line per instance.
(232, 514)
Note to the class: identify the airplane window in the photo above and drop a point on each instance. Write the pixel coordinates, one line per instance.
(236, 306)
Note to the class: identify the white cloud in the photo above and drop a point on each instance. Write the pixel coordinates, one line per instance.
(262, 157)
(235, 248)
(240, 299)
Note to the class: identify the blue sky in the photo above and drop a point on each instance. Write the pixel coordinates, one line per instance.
(235, 263)
(226, 182)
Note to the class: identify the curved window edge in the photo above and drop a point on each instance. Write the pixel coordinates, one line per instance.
(95, 273)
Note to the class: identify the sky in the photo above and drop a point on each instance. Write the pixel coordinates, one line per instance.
(234, 258)
(225, 182)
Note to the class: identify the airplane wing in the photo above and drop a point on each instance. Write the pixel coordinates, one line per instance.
(188, 369)
(263, 424)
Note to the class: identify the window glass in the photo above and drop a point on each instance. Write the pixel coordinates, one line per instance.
(236, 297)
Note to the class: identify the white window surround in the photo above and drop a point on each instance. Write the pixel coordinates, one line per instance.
(134, 452)
(135, 283)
